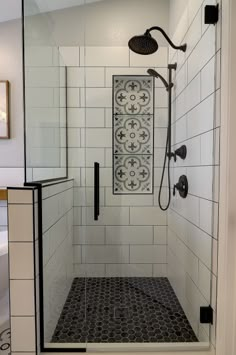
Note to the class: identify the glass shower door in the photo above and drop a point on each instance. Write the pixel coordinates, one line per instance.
(149, 273)
(137, 276)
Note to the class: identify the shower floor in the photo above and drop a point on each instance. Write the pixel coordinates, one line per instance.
(122, 310)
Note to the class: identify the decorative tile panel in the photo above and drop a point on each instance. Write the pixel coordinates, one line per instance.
(133, 134)
(133, 174)
(133, 95)
(133, 116)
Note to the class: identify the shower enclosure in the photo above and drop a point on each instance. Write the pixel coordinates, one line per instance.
(115, 270)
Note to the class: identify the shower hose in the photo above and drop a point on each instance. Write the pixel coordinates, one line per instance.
(167, 156)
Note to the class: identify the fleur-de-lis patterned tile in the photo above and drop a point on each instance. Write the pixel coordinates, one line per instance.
(133, 95)
(133, 117)
(133, 174)
(133, 134)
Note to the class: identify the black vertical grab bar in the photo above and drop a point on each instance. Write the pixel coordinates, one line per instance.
(96, 191)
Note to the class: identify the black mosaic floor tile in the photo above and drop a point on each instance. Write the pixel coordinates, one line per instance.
(122, 310)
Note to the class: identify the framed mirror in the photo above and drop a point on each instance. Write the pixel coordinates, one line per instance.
(4, 110)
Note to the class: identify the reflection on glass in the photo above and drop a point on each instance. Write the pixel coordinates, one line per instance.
(45, 99)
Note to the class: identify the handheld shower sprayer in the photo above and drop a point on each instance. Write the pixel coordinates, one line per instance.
(155, 74)
(182, 151)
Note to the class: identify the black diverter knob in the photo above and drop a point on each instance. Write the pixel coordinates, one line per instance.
(182, 186)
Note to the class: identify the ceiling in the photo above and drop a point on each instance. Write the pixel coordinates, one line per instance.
(11, 9)
(52, 5)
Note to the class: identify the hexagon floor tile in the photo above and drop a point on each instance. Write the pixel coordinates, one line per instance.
(122, 310)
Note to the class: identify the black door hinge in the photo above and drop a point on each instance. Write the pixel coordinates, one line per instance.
(211, 14)
(206, 315)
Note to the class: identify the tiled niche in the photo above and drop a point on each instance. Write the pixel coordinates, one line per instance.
(133, 128)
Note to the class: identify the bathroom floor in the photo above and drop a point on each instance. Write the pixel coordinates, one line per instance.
(122, 310)
(5, 339)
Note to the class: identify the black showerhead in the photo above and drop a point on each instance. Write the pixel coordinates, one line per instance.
(144, 44)
(155, 74)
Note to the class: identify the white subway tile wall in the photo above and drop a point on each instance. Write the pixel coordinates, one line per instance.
(129, 227)
(45, 96)
(57, 214)
(23, 241)
(193, 222)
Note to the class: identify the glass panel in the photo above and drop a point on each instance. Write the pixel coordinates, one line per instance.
(45, 98)
(151, 269)
(142, 272)
(56, 279)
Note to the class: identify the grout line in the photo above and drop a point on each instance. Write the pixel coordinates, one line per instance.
(59, 193)
(196, 226)
(199, 72)
(57, 221)
(195, 136)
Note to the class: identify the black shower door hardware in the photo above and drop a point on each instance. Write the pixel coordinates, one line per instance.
(96, 190)
(211, 14)
(206, 315)
(182, 186)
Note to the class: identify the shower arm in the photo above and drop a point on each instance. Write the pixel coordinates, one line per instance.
(157, 28)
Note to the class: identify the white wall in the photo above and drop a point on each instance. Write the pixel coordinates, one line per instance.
(10, 10)
(177, 8)
(89, 99)
(193, 222)
(129, 238)
(109, 22)
(12, 150)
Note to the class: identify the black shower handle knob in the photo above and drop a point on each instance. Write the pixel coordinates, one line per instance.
(178, 187)
(181, 186)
